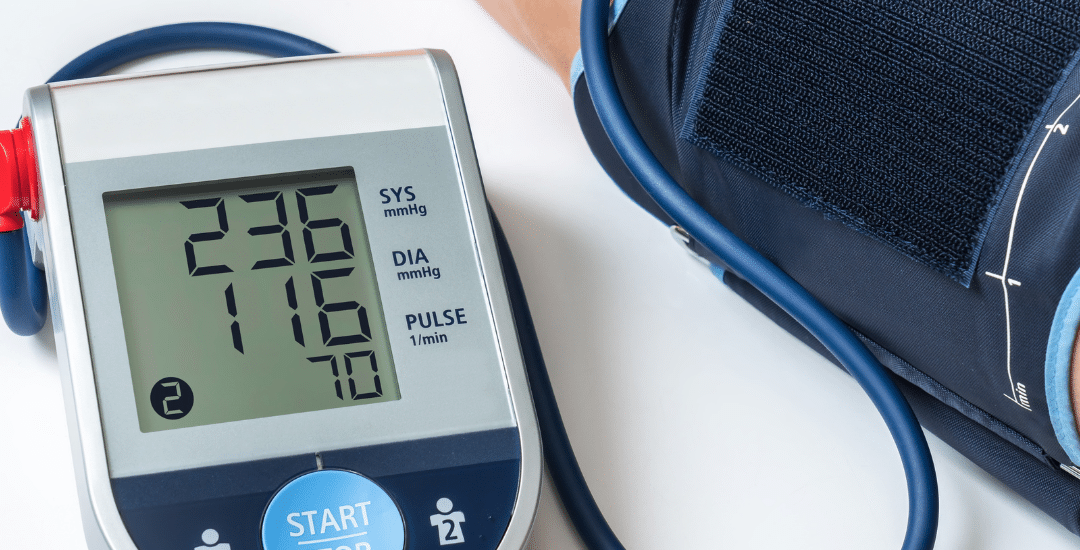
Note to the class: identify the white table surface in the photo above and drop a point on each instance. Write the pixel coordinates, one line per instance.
(698, 423)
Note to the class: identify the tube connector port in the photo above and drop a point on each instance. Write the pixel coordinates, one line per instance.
(19, 185)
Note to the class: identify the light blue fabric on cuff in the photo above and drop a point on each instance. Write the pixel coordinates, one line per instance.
(577, 68)
(1058, 369)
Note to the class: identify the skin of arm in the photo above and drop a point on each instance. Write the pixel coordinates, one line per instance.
(549, 28)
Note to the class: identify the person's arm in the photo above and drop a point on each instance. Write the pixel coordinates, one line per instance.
(547, 27)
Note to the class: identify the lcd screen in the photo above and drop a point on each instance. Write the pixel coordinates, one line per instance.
(248, 298)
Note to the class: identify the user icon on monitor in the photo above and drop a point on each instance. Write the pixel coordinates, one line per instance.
(448, 522)
(210, 541)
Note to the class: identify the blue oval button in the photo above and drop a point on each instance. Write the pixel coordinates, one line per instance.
(332, 510)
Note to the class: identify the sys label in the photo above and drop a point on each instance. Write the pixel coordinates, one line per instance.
(401, 201)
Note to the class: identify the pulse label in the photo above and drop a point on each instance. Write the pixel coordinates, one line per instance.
(429, 319)
(433, 319)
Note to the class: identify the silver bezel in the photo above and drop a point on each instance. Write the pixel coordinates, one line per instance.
(528, 498)
(101, 520)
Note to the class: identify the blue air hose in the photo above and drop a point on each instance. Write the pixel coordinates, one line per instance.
(23, 298)
(187, 36)
(750, 265)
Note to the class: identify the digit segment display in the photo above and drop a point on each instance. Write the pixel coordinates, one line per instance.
(248, 298)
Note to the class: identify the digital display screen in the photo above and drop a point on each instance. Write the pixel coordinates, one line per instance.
(248, 298)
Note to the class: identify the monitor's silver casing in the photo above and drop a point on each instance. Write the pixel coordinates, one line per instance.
(101, 520)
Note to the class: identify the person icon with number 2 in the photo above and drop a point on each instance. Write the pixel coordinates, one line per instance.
(449, 523)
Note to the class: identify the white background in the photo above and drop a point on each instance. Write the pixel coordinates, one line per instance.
(697, 422)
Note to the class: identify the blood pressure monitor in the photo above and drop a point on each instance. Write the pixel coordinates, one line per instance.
(281, 311)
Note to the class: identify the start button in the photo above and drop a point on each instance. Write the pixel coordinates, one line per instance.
(332, 510)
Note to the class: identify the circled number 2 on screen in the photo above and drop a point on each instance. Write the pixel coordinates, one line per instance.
(287, 258)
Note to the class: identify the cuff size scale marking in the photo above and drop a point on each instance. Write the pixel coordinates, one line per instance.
(279, 306)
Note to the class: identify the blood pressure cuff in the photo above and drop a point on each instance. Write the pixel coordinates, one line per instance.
(911, 164)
